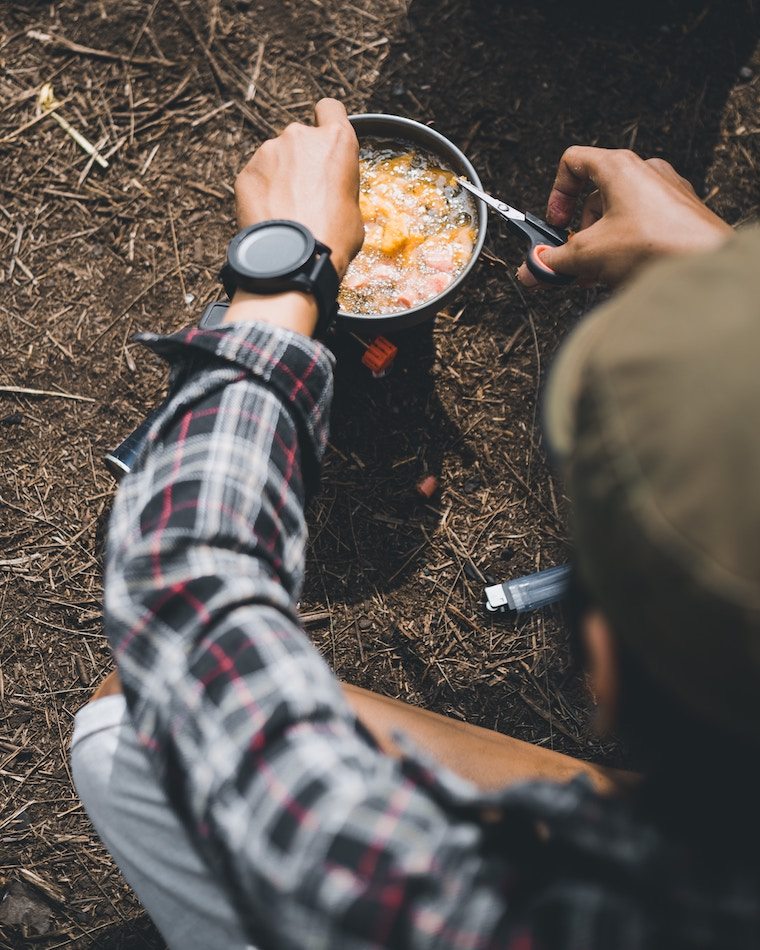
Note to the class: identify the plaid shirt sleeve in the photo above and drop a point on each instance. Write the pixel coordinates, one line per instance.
(322, 840)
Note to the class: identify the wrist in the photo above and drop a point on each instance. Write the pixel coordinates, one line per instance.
(291, 309)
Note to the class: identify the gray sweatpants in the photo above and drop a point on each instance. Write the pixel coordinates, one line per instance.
(131, 814)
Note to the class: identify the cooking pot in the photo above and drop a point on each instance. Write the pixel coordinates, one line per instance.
(403, 131)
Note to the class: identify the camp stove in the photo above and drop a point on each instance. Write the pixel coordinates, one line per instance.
(379, 355)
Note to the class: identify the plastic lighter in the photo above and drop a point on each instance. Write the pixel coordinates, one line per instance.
(531, 592)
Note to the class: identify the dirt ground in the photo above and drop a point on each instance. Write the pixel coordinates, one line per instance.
(176, 93)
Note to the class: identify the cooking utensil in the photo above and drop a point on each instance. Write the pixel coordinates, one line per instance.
(540, 234)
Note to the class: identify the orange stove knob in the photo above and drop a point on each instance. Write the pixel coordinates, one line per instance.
(379, 355)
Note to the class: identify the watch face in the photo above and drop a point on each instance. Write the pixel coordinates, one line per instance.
(273, 250)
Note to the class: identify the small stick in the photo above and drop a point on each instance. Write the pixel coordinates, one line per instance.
(22, 267)
(176, 255)
(408, 561)
(250, 93)
(143, 28)
(81, 141)
(16, 248)
(314, 617)
(46, 103)
(456, 612)
(51, 891)
(23, 391)
(133, 301)
(51, 39)
(210, 115)
(30, 123)
(84, 679)
(199, 186)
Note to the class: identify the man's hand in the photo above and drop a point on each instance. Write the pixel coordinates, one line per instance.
(309, 175)
(640, 211)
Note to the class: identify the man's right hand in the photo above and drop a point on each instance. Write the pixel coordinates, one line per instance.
(640, 211)
(311, 175)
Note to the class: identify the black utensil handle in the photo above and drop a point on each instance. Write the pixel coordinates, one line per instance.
(542, 271)
(120, 461)
(551, 235)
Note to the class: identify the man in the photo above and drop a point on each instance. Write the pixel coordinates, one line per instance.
(251, 801)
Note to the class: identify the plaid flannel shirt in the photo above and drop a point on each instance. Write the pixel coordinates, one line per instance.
(322, 840)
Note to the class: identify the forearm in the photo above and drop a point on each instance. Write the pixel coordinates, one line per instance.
(227, 466)
(205, 558)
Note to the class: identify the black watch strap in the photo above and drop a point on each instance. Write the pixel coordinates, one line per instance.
(325, 285)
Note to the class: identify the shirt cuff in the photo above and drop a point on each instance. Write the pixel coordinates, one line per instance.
(297, 368)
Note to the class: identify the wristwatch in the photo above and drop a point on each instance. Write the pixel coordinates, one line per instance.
(276, 256)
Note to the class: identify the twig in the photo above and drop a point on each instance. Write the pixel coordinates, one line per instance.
(314, 617)
(60, 42)
(22, 391)
(456, 612)
(201, 120)
(46, 102)
(31, 122)
(409, 560)
(548, 718)
(526, 487)
(142, 29)
(176, 255)
(250, 93)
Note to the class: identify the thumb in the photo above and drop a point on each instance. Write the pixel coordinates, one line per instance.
(562, 259)
(548, 256)
(579, 257)
(583, 253)
(328, 111)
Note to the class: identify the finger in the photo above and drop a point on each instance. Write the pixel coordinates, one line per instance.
(329, 111)
(665, 170)
(525, 278)
(580, 256)
(593, 209)
(579, 166)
